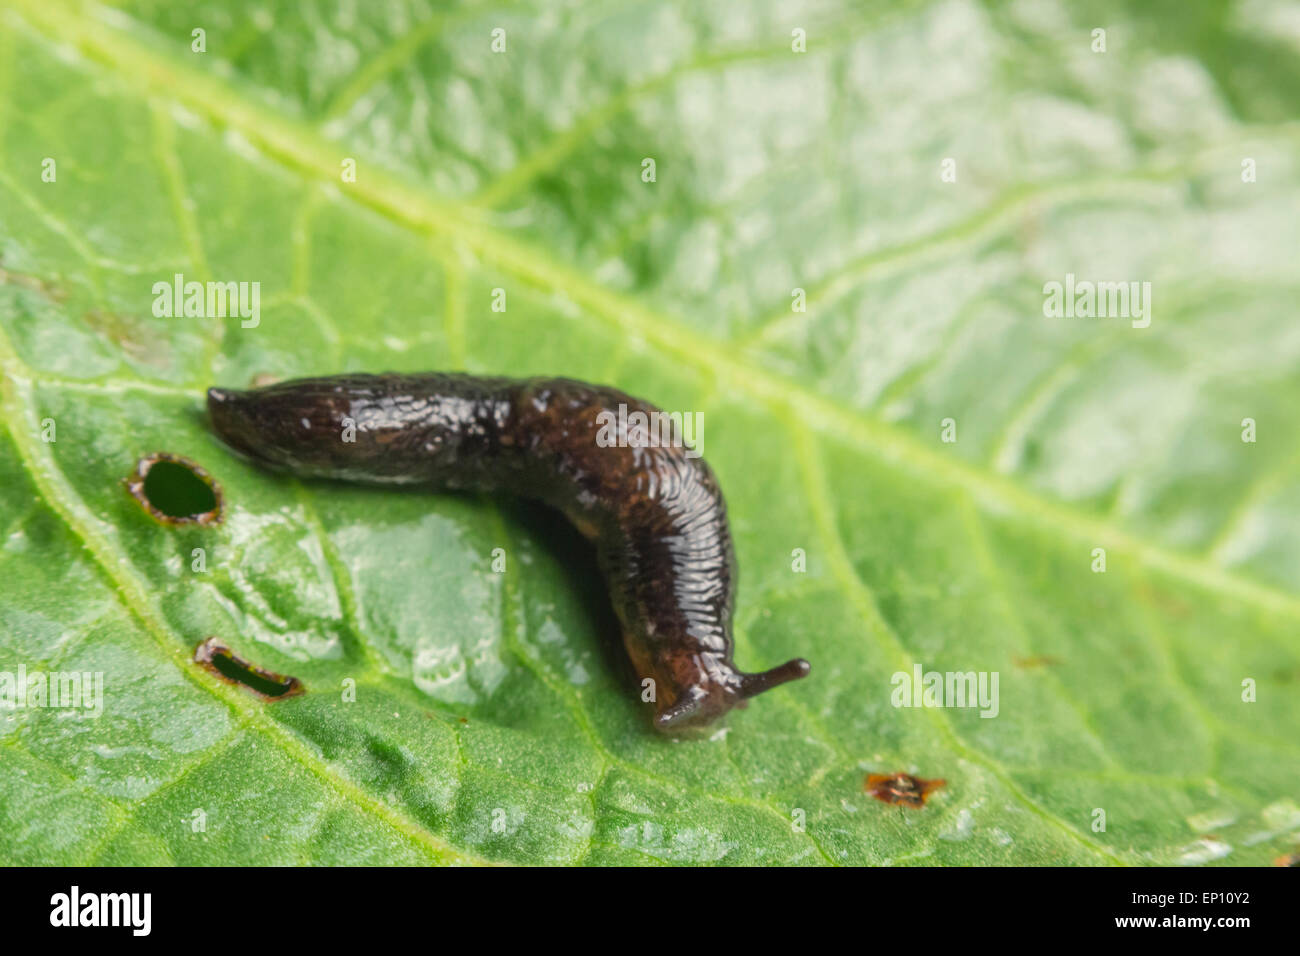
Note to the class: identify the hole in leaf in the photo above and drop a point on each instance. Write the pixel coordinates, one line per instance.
(175, 490)
(219, 659)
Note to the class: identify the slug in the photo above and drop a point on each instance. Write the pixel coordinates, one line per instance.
(653, 510)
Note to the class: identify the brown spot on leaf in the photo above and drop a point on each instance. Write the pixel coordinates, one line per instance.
(1288, 859)
(1158, 598)
(32, 284)
(1036, 661)
(901, 788)
(217, 658)
(137, 340)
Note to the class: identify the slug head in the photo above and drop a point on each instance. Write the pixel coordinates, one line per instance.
(283, 430)
(364, 428)
(705, 701)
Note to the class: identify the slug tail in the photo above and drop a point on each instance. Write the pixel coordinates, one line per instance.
(753, 684)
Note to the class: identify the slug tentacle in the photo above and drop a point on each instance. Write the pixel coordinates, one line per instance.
(752, 684)
(654, 510)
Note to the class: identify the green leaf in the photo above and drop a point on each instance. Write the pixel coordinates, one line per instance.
(494, 718)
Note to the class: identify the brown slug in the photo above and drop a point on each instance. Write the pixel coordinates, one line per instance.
(653, 509)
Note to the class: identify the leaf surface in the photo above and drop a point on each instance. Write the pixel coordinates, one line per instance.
(494, 719)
